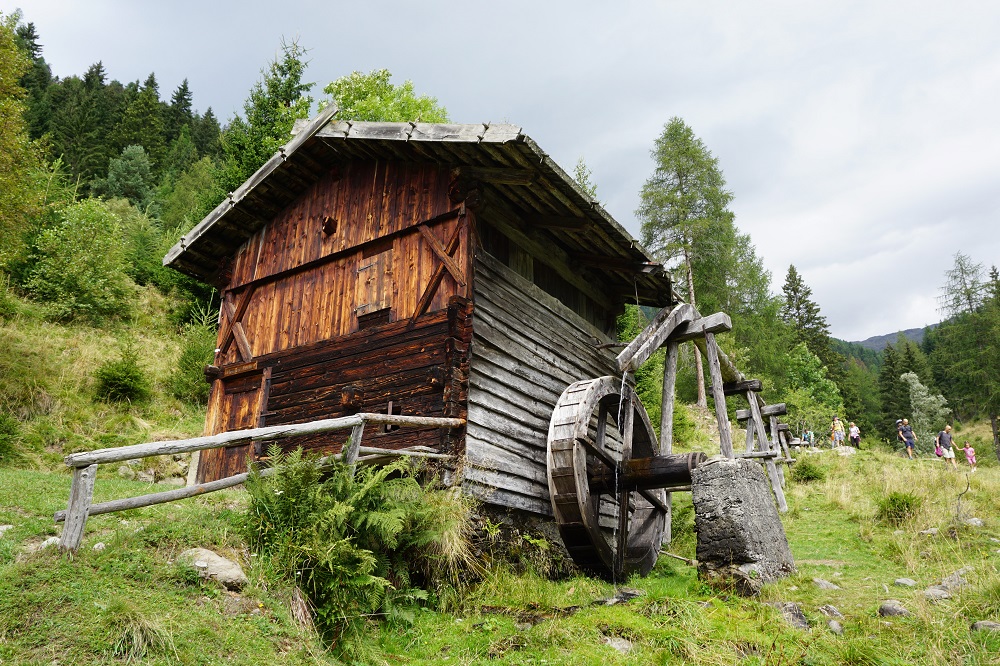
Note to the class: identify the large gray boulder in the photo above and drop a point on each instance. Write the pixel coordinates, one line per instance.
(214, 566)
(741, 541)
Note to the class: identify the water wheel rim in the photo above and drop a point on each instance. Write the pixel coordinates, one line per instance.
(576, 509)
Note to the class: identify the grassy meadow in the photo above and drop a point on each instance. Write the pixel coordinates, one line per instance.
(854, 521)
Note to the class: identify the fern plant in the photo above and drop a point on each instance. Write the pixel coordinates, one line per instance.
(358, 543)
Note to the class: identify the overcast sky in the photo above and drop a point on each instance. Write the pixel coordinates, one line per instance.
(861, 140)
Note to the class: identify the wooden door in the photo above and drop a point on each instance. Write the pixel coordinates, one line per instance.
(374, 288)
(236, 403)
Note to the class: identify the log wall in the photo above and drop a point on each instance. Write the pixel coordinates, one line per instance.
(422, 369)
(527, 347)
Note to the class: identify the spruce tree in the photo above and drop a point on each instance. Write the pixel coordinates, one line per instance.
(179, 113)
(206, 134)
(893, 393)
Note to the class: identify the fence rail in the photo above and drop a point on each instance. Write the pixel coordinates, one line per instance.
(85, 464)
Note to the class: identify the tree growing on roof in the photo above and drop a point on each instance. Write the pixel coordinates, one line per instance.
(684, 209)
(374, 97)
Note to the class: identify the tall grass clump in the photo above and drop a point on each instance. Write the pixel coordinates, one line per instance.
(805, 470)
(133, 636)
(123, 379)
(364, 545)
(897, 508)
(10, 430)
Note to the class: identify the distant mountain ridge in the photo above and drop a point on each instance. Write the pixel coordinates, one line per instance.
(878, 342)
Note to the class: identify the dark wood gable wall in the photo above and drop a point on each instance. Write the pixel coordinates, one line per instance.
(344, 301)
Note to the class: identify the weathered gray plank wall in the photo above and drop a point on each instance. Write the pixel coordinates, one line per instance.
(527, 347)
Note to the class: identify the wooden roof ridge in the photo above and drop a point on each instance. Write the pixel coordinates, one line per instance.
(261, 174)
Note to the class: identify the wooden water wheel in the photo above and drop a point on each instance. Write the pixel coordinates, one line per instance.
(593, 434)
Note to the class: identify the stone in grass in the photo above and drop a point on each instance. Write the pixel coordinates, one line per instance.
(892, 608)
(623, 645)
(930, 532)
(4, 528)
(214, 566)
(936, 593)
(825, 584)
(986, 625)
(835, 627)
(99, 546)
(48, 543)
(905, 582)
(974, 522)
(792, 613)
(830, 611)
(955, 581)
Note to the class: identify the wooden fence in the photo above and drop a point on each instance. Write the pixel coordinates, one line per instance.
(85, 464)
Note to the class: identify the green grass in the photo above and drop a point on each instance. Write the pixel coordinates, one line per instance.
(103, 606)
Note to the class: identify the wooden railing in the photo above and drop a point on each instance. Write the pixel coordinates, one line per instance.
(85, 464)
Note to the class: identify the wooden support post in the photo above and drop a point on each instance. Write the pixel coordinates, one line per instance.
(776, 445)
(715, 371)
(772, 469)
(351, 454)
(80, 496)
(667, 422)
(750, 431)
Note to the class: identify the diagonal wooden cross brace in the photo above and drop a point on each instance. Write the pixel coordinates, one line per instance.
(232, 328)
(447, 264)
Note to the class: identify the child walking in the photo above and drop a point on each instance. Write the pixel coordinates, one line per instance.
(970, 455)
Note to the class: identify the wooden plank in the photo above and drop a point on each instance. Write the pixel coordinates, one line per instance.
(739, 388)
(713, 323)
(443, 255)
(654, 335)
(436, 276)
(80, 496)
(567, 222)
(767, 410)
(725, 434)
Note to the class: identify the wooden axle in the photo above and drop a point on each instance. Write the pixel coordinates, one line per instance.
(667, 471)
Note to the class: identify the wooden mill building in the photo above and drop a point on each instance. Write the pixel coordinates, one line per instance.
(417, 269)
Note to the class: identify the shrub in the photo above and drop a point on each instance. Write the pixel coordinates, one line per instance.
(357, 544)
(78, 264)
(897, 508)
(123, 379)
(187, 382)
(806, 470)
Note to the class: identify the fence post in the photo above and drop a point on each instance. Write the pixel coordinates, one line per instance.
(351, 452)
(80, 496)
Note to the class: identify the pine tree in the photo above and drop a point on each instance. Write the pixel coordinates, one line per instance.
(35, 80)
(684, 209)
